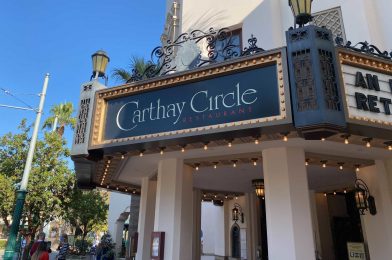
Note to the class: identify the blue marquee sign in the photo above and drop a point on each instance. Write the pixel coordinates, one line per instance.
(246, 95)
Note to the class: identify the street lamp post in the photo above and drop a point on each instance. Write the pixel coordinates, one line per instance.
(21, 193)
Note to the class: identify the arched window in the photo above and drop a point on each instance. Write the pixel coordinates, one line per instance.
(235, 241)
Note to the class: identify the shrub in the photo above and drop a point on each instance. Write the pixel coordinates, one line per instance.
(3, 242)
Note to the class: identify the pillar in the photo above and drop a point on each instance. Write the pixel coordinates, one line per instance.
(174, 208)
(146, 218)
(252, 225)
(377, 229)
(133, 221)
(196, 250)
(289, 224)
(119, 231)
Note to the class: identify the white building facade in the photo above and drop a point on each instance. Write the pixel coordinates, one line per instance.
(189, 143)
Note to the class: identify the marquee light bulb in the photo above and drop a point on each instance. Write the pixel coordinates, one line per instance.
(285, 139)
(205, 146)
(122, 157)
(215, 165)
(307, 162)
(345, 191)
(197, 166)
(334, 193)
(325, 194)
(346, 140)
(368, 145)
(357, 168)
(109, 161)
(324, 164)
(183, 149)
(141, 153)
(234, 163)
(161, 152)
(134, 191)
(256, 141)
(254, 163)
(229, 144)
(340, 165)
(323, 139)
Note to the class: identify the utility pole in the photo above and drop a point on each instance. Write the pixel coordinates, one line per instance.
(21, 193)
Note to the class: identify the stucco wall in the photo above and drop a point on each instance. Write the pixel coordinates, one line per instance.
(269, 19)
(118, 202)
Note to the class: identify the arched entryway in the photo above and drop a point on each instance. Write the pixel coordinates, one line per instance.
(235, 241)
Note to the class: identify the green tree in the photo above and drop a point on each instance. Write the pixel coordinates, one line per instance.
(50, 182)
(137, 63)
(87, 211)
(64, 113)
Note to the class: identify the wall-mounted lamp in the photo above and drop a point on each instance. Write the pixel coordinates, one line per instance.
(363, 199)
(237, 213)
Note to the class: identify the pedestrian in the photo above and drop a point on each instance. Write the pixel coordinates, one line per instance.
(41, 252)
(40, 238)
(64, 247)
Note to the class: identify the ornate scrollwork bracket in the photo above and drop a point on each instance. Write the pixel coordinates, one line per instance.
(364, 47)
(211, 47)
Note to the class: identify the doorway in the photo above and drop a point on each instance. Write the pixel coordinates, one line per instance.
(235, 241)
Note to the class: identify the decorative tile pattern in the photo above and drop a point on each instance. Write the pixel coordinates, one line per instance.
(330, 86)
(331, 19)
(304, 81)
(80, 133)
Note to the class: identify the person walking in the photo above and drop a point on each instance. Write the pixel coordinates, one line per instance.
(40, 238)
(64, 247)
(41, 252)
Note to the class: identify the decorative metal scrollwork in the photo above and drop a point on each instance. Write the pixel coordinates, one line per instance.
(252, 49)
(364, 47)
(195, 49)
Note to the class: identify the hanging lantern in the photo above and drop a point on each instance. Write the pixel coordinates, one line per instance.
(258, 185)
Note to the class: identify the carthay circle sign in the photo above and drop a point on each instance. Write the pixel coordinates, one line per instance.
(237, 97)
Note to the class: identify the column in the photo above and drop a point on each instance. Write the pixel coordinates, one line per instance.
(146, 218)
(174, 208)
(196, 250)
(133, 222)
(252, 224)
(289, 224)
(119, 231)
(377, 229)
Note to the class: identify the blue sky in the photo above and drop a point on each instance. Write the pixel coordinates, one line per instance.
(59, 37)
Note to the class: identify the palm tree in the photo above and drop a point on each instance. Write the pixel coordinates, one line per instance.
(137, 63)
(61, 116)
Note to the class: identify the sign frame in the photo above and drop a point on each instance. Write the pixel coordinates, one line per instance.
(276, 56)
(370, 63)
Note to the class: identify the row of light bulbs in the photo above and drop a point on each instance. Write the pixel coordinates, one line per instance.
(334, 193)
(340, 164)
(257, 141)
(205, 146)
(196, 166)
(105, 171)
(367, 141)
(215, 196)
(234, 164)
